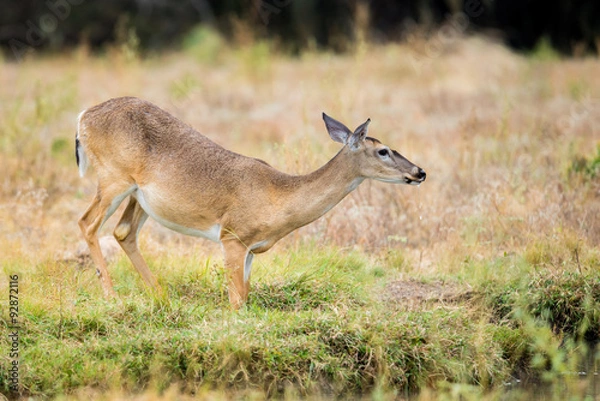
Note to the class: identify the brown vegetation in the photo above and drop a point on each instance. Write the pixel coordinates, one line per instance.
(496, 133)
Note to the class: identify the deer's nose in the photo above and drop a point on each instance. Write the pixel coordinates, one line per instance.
(418, 173)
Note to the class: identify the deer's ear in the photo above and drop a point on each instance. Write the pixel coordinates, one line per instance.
(359, 135)
(337, 131)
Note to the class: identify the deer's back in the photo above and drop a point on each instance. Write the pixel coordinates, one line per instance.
(134, 139)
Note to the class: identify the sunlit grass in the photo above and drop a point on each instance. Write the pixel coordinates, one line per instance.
(318, 320)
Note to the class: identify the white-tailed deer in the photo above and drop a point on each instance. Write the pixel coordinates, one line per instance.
(190, 184)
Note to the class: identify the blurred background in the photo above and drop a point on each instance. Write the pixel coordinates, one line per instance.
(572, 27)
(496, 100)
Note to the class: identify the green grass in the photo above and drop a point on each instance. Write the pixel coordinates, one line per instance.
(586, 167)
(543, 51)
(317, 321)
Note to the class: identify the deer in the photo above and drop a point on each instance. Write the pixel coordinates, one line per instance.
(190, 184)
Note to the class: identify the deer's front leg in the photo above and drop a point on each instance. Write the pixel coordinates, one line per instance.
(237, 264)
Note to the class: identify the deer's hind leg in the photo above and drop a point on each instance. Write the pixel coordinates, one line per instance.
(126, 233)
(104, 204)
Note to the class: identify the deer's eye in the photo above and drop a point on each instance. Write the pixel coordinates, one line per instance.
(383, 152)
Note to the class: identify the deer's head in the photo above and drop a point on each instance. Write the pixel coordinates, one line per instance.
(374, 159)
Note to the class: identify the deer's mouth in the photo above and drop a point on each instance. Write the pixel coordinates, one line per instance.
(415, 179)
(410, 181)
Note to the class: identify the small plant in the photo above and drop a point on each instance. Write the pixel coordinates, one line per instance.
(543, 50)
(127, 41)
(204, 44)
(588, 168)
(184, 87)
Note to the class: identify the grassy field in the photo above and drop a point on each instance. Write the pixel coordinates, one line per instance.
(487, 273)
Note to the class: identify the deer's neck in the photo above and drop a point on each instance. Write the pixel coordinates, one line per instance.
(311, 196)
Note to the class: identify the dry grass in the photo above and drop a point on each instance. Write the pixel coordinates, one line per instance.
(495, 132)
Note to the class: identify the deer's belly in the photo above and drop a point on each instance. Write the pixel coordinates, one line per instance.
(152, 207)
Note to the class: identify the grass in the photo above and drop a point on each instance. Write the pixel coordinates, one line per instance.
(587, 168)
(496, 251)
(319, 322)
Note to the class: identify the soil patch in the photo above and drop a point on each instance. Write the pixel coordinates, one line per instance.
(411, 290)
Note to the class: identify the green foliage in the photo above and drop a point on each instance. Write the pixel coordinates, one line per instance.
(546, 320)
(543, 50)
(204, 44)
(181, 89)
(568, 302)
(578, 89)
(588, 168)
(62, 149)
(127, 39)
(256, 58)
